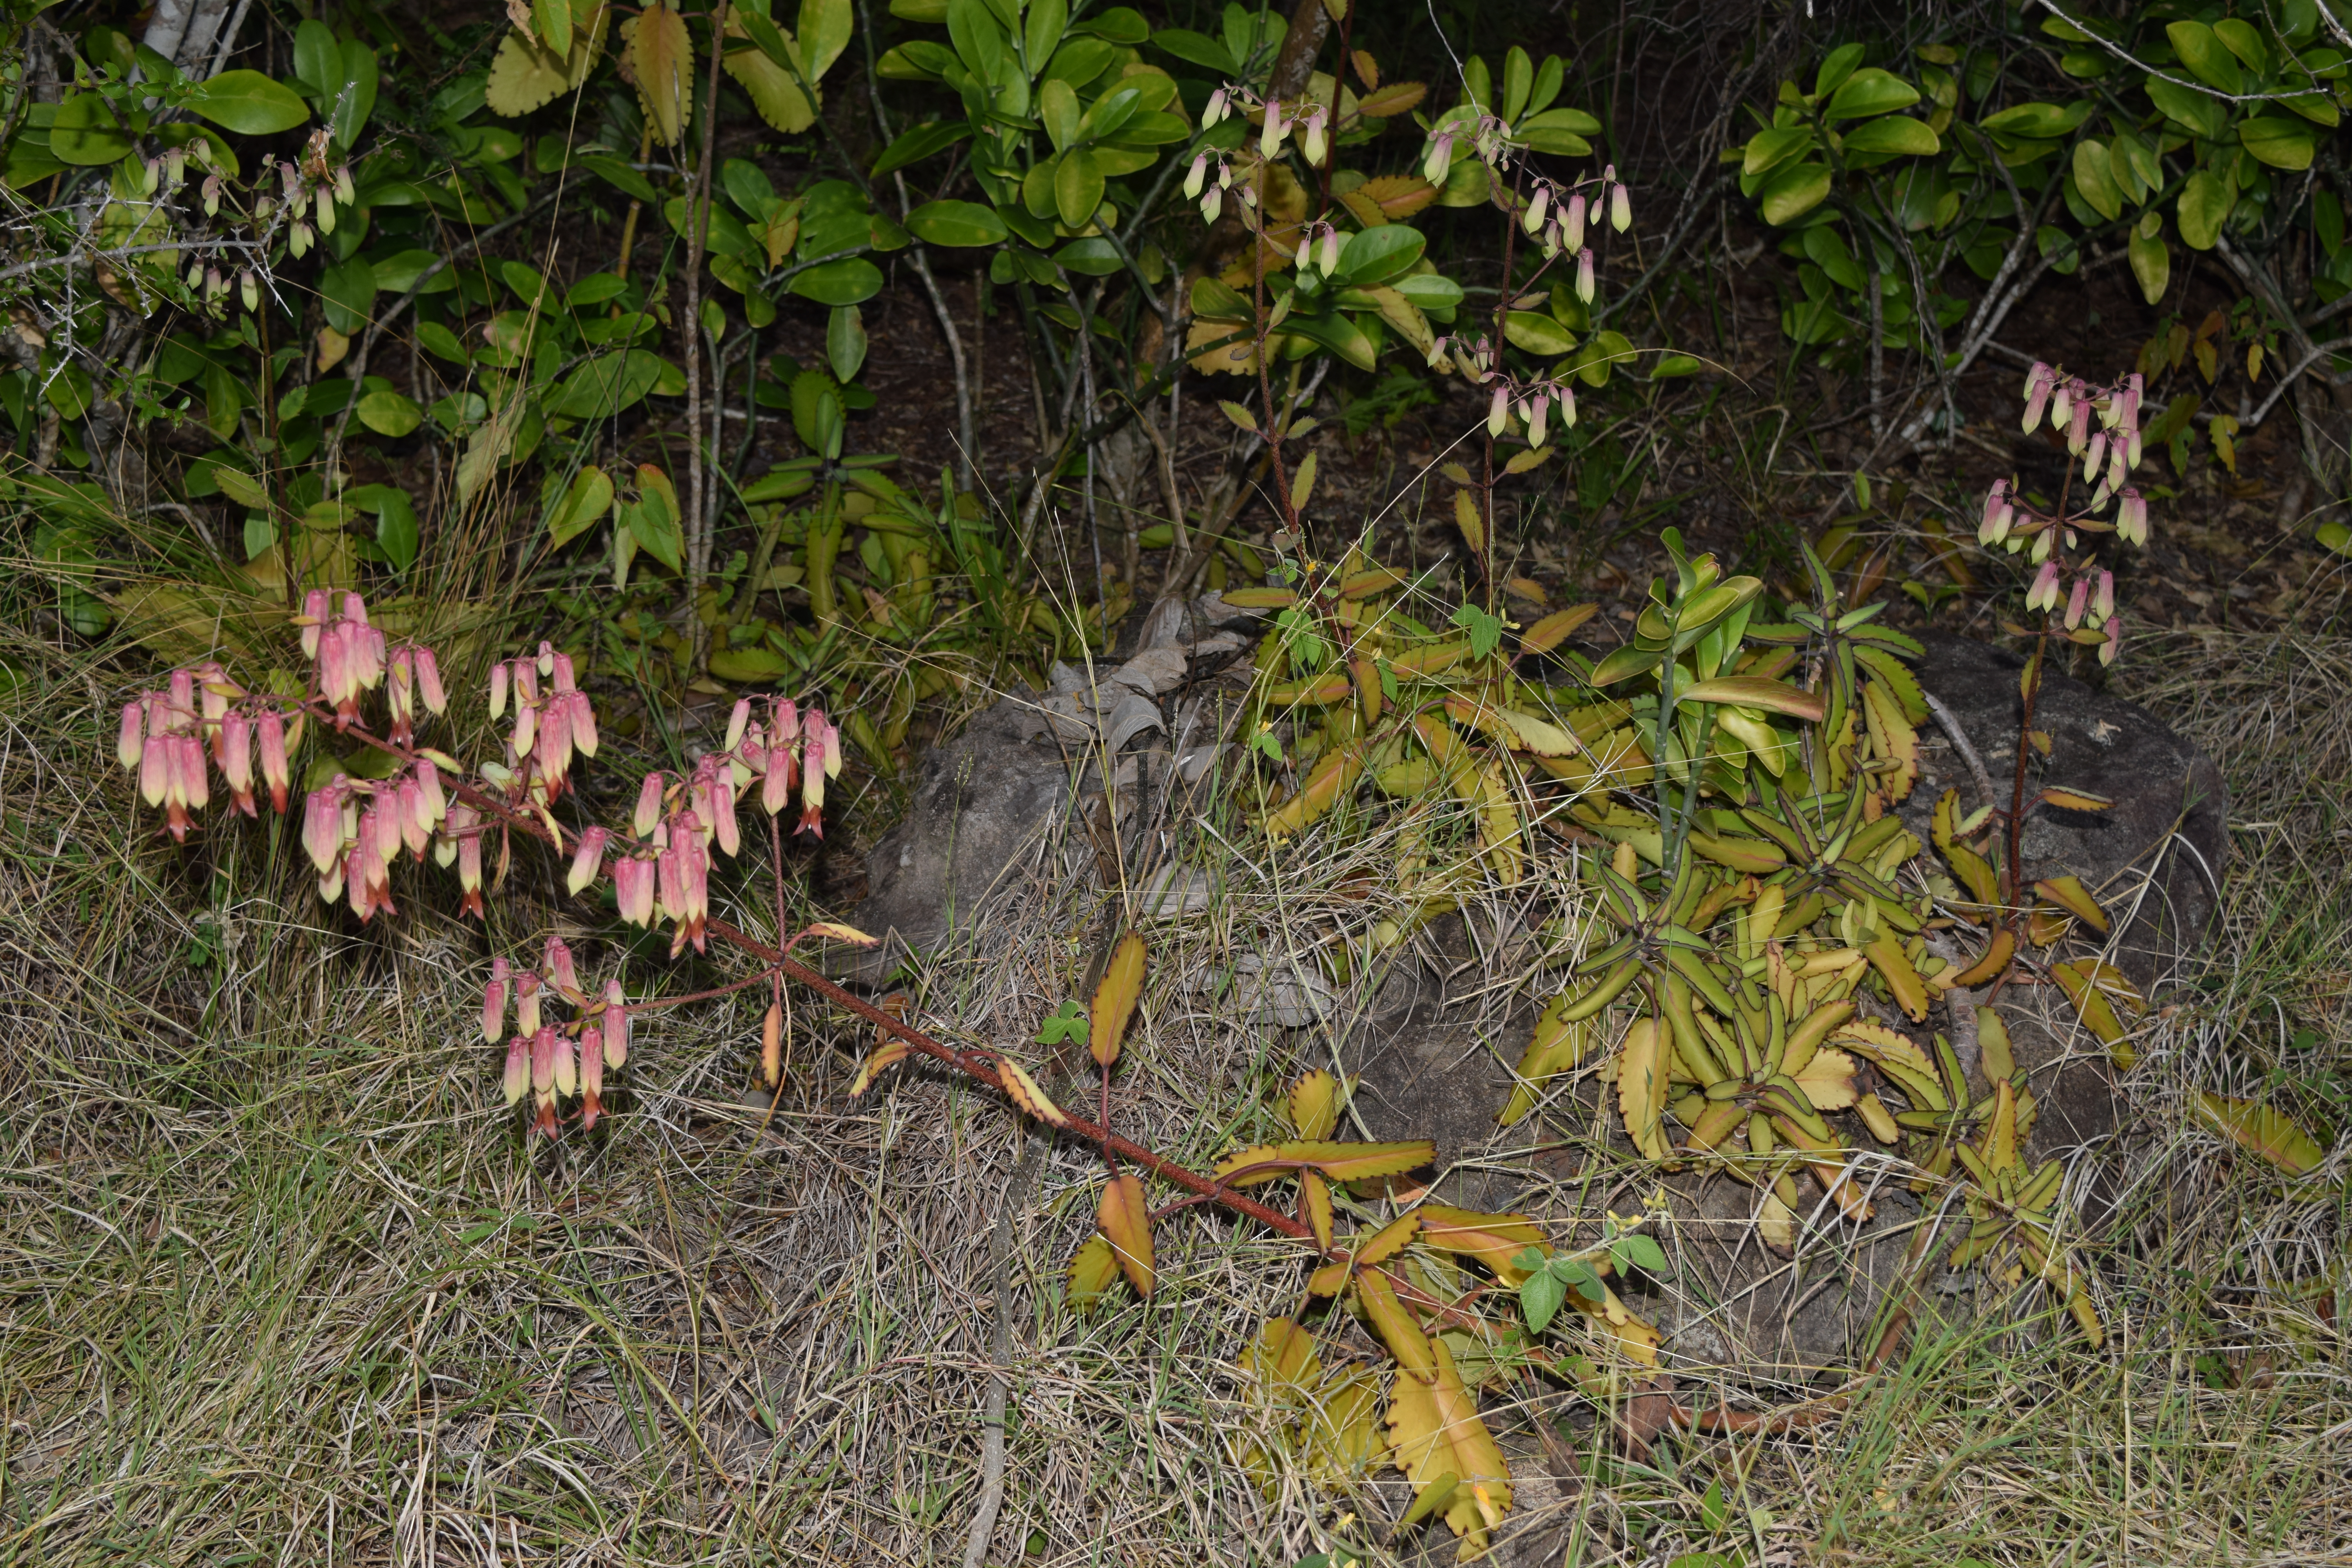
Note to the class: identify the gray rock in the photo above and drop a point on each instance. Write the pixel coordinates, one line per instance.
(985, 798)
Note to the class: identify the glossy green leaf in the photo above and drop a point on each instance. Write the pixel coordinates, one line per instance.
(1870, 91)
(1895, 136)
(2278, 141)
(1375, 256)
(250, 103)
(1536, 332)
(852, 281)
(955, 223)
(86, 132)
(356, 101)
(926, 140)
(2208, 58)
(1077, 188)
(1793, 192)
(2189, 108)
(581, 506)
(2094, 179)
(1767, 150)
(845, 342)
(387, 413)
(2205, 202)
(606, 384)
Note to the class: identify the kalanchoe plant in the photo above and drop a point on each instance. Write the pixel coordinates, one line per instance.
(2101, 428)
(354, 829)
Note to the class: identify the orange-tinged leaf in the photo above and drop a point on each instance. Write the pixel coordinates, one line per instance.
(1878, 1119)
(1388, 1241)
(1283, 1359)
(1320, 692)
(1886, 955)
(1115, 998)
(1756, 691)
(1315, 1105)
(771, 1047)
(1338, 1427)
(1438, 1440)
(1642, 1087)
(886, 1054)
(1992, 1046)
(1092, 1269)
(1128, 1224)
(1331, 778)
(1553, 629)
(1891, 733)
(661, 58)
(1995, 957)
(1339, 1161)
(1315, 1205)
(1826, 1160)
(1362, 1162)
(2074, 799)
(833, 930)
(1998, 1148)
(1556, 1046)
(1395, 1325)
(1259, 598)
(2069, 894)
(1399, 197)
(1520, 731)
(1023, 1090)
(1327, 1281)
(2096, 988)
(1828, 1080)
(2265, 1131)
(1495, 1239)
(1432, 659)
(1370, 580)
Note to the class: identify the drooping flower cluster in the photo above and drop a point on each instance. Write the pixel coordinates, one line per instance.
(1530, 399)
(548, 729)
(313, 185)
(556, 1061)
(167, 737)
(353, 829)
(2101, 428)
(664, 874)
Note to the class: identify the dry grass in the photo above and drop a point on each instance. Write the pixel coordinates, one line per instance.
(281, 1284)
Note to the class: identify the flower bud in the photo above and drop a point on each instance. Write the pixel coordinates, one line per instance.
(2039, 382)
(616, 1027)
(1584, 282)
(588, 860)
(1571, 232)
(1215, 110)
(1621, 210)
(1498, 412)
(1197, 176)
(517, 1073)
(494, 1003)
(130, 742)
(1439, 159)
(526, 1002)
(1270, 138)
(1537, 206)
(1315, 146)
